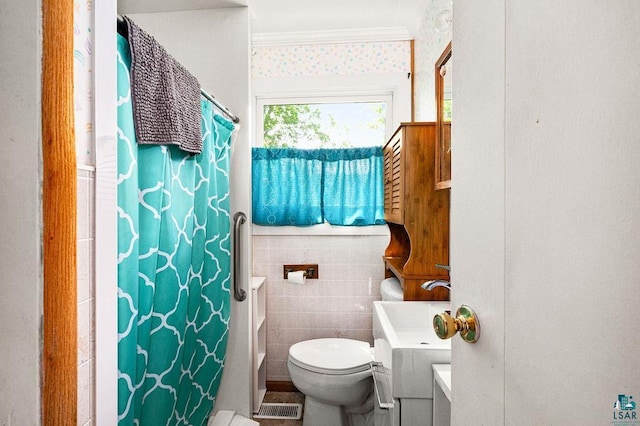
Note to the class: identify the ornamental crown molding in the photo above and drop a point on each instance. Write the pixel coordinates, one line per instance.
(332, 36)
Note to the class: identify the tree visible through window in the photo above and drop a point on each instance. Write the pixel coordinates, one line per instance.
(324, 125)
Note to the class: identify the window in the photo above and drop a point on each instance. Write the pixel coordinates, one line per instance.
(393, 89)
(330, 122)
(320, 161)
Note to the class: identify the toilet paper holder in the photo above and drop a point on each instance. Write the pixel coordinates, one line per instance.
(310, 270)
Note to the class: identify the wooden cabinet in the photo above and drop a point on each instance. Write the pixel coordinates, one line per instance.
(444, 91)
(393, 188)
(417, 214)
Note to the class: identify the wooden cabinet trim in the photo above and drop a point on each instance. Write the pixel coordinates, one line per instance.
(59, 356)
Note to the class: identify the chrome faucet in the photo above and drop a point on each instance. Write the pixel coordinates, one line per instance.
(430, 285)
(446, 267)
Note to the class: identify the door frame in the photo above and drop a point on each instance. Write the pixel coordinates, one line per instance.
(59, 367)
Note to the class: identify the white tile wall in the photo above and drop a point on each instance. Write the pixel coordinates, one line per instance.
(338, 304)
(85, 154)
(86, 293)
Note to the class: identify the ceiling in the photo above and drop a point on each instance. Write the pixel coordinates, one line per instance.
(271, 16)
(282, 16)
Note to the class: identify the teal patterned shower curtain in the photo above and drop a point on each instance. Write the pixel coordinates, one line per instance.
(173, 269)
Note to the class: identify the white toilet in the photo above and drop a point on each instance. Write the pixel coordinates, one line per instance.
(391, 290)
(335, 377)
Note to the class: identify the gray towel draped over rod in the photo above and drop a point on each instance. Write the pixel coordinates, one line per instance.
(122, 30)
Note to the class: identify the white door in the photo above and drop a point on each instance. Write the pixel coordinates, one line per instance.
(545, 211)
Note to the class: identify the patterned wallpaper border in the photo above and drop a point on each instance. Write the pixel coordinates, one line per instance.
(331, 59)
(83, 81)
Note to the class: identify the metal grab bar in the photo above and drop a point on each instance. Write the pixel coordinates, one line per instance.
(238, 219)
(381, 386)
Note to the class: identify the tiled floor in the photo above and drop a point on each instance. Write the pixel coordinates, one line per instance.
(294, 397)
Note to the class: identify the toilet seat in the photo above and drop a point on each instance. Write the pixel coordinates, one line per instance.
(331, 356)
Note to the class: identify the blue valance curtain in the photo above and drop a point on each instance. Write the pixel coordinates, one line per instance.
(301, 187)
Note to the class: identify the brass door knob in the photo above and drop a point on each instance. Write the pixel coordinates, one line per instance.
(466, 322)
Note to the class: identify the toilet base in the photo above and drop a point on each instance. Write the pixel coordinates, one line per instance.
(318, 413)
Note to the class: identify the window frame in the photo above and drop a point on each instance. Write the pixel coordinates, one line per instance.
(393, 88)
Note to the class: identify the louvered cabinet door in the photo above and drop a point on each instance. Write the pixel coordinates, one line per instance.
(393, 179)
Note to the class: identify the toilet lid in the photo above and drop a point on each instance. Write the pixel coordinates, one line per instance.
(331, 356)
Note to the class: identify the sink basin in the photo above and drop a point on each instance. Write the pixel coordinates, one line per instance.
(407, 346)
(407, 324)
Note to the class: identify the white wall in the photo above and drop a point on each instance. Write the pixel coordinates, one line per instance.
(573, 205)
(20, 212)
(429, 42)
(545, 207)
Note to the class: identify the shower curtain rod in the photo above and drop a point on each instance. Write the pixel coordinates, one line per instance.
(204, 94)
(221, 107)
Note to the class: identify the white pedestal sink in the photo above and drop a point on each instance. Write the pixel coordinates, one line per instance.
(405, 348)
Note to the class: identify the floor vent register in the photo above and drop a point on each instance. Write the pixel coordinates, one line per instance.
(279, 411)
